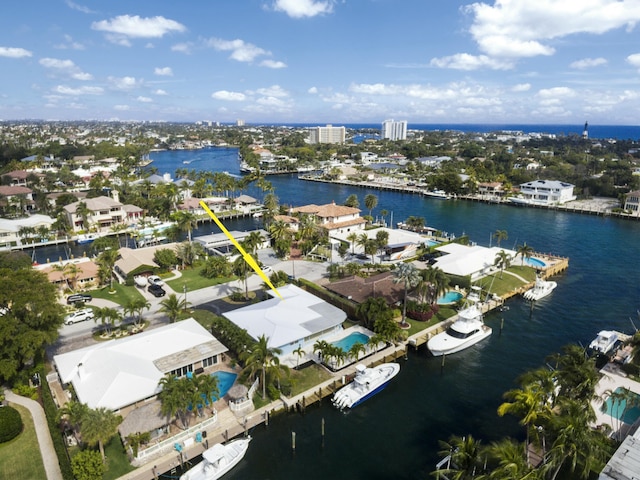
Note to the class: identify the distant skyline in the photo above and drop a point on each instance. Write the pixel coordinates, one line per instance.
(322, 61)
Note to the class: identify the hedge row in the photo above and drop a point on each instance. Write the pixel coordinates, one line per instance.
(51, 411)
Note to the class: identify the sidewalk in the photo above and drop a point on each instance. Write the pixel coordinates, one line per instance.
(49, 457)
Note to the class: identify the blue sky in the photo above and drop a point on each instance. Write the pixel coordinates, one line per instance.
(322, 61)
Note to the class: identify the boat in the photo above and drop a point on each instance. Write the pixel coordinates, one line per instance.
(467, 330)
(436, 194)
(540, 289)
(86, 238)
(367, 382)
(218, 460)
(604, 342)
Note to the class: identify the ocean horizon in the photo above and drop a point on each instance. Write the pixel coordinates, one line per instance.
(617, 132)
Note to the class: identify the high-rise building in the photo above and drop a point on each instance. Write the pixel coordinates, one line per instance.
(328, 134)
(394, 130)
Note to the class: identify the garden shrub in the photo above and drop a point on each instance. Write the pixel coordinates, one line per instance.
(10, 424)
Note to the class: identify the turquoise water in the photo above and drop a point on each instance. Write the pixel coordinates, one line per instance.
(618, 408)
(431, 243)
(225, 381)
(450, 297)
(347, 342)
(535, 262)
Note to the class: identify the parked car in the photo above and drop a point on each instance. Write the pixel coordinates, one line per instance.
(156, 290)
(78, 316)
(155, 279)
(78, 297)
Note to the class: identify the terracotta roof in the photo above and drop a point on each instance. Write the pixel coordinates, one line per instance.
(286, 219)
(328, 210)
(359, 289)
(15, 190)
(346, 223)
(86, 270)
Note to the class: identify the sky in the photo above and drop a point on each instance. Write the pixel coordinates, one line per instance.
(322, 61)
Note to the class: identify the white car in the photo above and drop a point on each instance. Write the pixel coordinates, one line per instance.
(155, 280)
(79, 316)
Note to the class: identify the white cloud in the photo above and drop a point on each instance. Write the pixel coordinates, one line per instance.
(160, 92)
(120, 29)
(522, 28)
(70, 44)
(122, 108)
(273, 91)
(12, 52)
(465, 61)
(230, 96)
(240, 51)
(80, 8)
(124, 83)
(144, 99)
(65, 67)
(303, 8)
(313, 90)
(64, 90)
(182, 47)
(556, 92)
(271, 102)
(634, 60)
(273, 64)
(164, 71)
(588, 63)
(521, 87)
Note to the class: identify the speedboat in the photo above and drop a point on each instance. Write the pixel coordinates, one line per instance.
(218, 460)
(467, 330)
(436, 194)
(540, 289)
(604, 343)
(367, 382)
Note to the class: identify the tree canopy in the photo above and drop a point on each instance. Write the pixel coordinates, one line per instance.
(30, 318)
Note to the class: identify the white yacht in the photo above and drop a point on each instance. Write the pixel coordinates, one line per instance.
(218, 460)
(367, 382)
(467, 330)
(604, 343)
(540, 289)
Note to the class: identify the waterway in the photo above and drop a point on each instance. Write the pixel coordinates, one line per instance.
(395, 434)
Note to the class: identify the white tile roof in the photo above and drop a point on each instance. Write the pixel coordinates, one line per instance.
(297, 316)
(117, 373)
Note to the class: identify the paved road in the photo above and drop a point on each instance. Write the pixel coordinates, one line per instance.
(49, 457)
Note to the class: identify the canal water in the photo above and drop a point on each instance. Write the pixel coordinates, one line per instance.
(395, 434)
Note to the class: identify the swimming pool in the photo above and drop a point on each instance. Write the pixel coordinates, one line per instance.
(450, 297)
(347, 342)
(431, 243)
(225, 382)
(536, 262)
(618, 408)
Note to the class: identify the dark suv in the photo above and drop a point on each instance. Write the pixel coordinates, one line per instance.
(78, 297)
(156, 290)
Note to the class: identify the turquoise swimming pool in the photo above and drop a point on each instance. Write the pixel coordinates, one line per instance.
(450, 297)
(347, 342)
(618, 408)
(225, 381)
(535, 262)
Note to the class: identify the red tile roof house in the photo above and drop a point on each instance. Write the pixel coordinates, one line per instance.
(334, 218)
(19, 197)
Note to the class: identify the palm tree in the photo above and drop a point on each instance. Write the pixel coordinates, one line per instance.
(253, 241)
(175, 397)
(464, 458)
(525, 252)
(185, 221)
(502, 261)
(408, 275)
(299, 353)
(172, 306)
(511, 461)
(99, 426)
(371, 309)
(84, 213)
(136, 306)
(355, 351)
(208, 389)
(108, 317)
(353, 238)
(500, 235)
(261, 358)
(106, 261)
(74, 412)
(241, 269)
(370, 201)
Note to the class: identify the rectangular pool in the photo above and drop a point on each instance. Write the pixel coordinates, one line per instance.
(347, 342)
(619, 409)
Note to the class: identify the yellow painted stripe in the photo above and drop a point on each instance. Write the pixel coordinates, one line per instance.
(248, 258)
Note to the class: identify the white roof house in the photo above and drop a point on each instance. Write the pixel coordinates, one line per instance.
(297, 319)
(463, 260)
(119, 373)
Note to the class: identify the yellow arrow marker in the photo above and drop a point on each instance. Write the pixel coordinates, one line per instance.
(248, 258)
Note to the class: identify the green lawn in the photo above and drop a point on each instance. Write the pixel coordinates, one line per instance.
(308, 378)
(194, 281)
(20, 458)
(123, 294)
(501, 282)
(117, 461)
